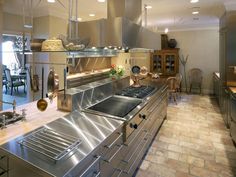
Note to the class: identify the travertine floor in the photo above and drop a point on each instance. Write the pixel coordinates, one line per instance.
(192, 142)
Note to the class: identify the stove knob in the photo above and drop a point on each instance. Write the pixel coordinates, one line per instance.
(142, 116)
(134, 126)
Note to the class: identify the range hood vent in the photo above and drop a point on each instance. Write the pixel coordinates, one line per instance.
(122, 28)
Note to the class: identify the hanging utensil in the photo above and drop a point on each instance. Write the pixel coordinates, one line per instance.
(65, 71)
(53, 84)
(42, 104)
(34, 81)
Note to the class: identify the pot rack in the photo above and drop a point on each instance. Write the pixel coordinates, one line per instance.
(48, 63)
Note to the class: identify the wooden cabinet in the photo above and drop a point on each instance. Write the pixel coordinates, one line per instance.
(165, 61)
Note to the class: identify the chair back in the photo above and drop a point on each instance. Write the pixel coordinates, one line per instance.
(172, 83)
(179, 78)
(8, 75)
(195, 76)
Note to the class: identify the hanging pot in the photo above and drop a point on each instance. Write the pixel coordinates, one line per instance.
(53, 84)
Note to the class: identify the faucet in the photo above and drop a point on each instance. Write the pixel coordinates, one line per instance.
(11, 103)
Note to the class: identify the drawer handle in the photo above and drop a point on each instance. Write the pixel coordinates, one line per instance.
(127, 161)
(110, 146)
(110, 159)
(90, 166)
(140, 152)
(159, 101)
(97, 174)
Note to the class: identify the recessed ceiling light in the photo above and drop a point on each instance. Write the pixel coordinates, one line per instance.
(166, 30)
(194, 1)
(148, 7)
(79, 19)
(195, 12)
(51, 1)
(101, 0)
(91, 15)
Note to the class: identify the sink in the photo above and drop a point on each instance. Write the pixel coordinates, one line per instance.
(9, 118)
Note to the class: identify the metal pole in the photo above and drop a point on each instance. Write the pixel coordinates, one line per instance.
(76, 19)
(70, 16)
(145, 15)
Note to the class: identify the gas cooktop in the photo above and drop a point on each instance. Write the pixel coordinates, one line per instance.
(136, 92)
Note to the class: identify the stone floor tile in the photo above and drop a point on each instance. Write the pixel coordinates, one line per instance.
(195, 161)
(156, 159)
(201, 172)
(177, 165)
(144, 165)
(175, 148)
(173, 155)
(181, 174)
(226, 161)
(192, 142)
(161, 171)
(183, 158)
(168, 140)
(141, 173)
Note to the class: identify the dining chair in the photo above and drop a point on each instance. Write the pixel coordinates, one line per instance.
(195, 79)
(12, 84)
(172, 87)
(179, 78)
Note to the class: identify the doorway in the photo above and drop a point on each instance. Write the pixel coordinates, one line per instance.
(14, 75)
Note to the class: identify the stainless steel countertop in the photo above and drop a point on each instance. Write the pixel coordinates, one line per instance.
(92, 130)
(158, 84)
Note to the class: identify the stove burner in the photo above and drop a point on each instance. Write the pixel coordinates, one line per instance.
(136, 92)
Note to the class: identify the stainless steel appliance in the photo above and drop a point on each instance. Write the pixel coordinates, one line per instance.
(140, 92)
(121, 28)
(68, 146)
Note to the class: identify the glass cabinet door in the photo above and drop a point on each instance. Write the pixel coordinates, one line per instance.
(157, 64)
(170, 63)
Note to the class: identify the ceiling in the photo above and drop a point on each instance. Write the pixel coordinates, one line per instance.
(172, 14)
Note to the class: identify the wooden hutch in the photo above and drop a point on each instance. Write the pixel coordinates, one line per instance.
(165, 61)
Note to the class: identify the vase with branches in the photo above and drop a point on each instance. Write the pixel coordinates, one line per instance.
(183, 61)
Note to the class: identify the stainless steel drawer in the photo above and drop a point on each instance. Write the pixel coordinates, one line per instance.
(111, 144)
(108, 165)
(117, 173)
(128, 169)
(93, 170)
(134, 147)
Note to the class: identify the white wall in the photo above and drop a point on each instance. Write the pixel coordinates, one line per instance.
(202, 46)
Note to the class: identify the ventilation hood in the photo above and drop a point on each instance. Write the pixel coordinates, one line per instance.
(121, 28)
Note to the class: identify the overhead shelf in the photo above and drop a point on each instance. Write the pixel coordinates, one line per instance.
(88, 52)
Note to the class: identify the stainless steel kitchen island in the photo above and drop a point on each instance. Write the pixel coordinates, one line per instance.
(86, 144)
